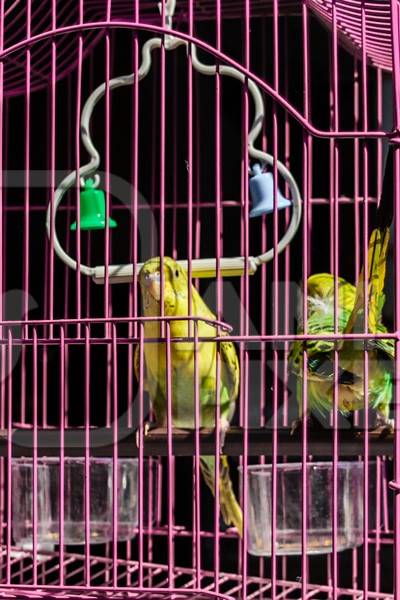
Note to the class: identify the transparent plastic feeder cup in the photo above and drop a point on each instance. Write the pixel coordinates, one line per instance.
(289, 507)
(48, 500)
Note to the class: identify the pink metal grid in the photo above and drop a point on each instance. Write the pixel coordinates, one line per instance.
(155, 577)
(377, 23)
(174, 163)
(348, 16)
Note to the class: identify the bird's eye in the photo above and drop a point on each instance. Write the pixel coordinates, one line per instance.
(176, 273)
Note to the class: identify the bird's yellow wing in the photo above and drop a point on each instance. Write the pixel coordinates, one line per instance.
(230, 374)
(230, 361)
(376, 268)
(136, 362)
(136, 368)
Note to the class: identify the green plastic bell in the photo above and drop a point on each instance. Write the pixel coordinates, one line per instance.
(92, 206)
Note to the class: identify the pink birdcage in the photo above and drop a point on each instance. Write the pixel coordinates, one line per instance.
(256, 143)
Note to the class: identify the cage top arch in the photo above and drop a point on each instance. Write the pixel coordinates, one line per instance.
(354, 19)
(10, 52)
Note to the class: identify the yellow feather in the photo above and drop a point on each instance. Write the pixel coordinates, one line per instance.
(178, 294)
(377, 258)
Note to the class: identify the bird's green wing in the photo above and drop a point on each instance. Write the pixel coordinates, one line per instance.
(384, 345)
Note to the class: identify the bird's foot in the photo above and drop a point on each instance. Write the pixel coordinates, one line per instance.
(147, 426)
(383, 425)
(300, 422)
(295, 425)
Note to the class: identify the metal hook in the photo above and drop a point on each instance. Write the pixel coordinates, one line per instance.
(95, 178)
(169, 11)
(394, 485)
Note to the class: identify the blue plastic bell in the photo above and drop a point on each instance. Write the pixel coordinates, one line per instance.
(262, 193)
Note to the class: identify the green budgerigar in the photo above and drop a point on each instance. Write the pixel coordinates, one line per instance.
(355, 314)
(351, 355)
(182, 368)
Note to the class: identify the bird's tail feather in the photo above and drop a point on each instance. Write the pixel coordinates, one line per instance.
(376, 269)
(230, 509)
(378, 249)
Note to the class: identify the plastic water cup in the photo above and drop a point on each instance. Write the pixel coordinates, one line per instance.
(319, 502)
(101, 497)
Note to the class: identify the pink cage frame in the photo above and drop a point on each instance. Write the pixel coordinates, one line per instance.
(44, 46)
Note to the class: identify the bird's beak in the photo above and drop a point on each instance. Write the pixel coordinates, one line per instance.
(153, 286)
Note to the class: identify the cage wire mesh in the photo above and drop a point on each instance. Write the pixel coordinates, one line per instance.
(133, 130)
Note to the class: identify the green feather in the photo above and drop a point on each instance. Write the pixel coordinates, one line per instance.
(350, 355)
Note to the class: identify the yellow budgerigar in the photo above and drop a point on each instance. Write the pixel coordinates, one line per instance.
(182, 368)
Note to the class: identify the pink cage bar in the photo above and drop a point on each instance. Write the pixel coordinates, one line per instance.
(173, 153)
